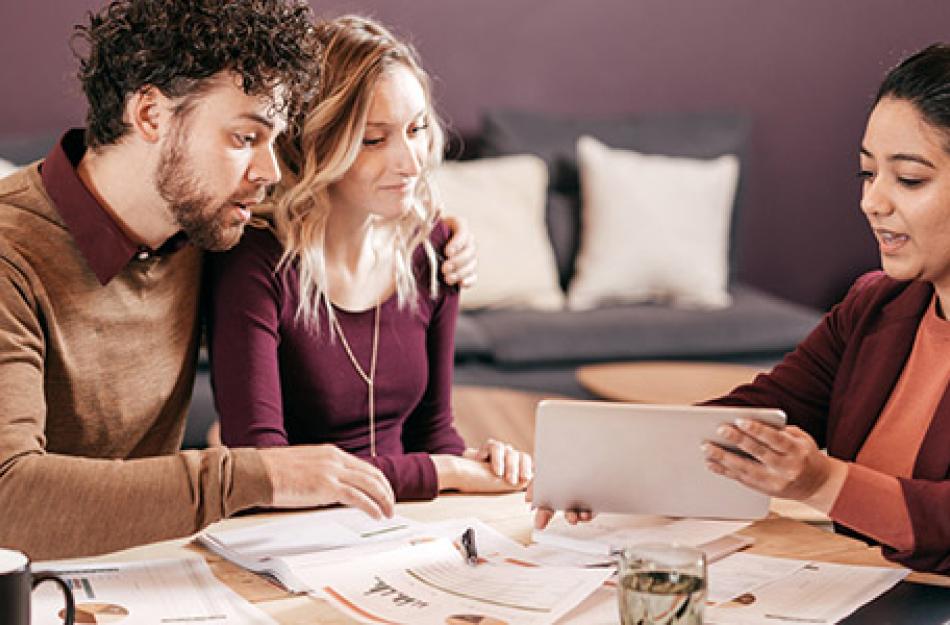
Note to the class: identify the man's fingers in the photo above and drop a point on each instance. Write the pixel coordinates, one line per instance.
(354, 497)
(463, 259)
(456, 271)
(374, 487)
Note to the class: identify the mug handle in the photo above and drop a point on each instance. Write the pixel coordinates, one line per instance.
(39, 578)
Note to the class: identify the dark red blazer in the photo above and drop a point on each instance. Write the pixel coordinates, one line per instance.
(835, 384)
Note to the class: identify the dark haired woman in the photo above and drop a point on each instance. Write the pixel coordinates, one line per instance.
(872, 381)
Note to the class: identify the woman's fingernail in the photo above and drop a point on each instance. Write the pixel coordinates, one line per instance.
(722, 430)
(742, 423)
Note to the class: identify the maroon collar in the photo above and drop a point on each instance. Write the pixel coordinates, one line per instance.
(106, 248)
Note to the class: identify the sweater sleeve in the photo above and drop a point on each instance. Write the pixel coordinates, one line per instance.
(429, 428)
(872, 503)
(907, 516)
(243, 335)
(60, 506)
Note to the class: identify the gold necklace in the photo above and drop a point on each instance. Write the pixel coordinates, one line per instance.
(370, 379)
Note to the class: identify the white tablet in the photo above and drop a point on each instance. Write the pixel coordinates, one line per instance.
(639, 459)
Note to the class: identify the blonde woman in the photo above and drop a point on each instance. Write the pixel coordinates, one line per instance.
(331, 324)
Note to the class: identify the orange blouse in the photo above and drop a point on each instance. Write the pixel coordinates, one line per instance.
(871, 500)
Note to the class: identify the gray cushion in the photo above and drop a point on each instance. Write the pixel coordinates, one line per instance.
(692, 135)
(756, 323)
(470, 339)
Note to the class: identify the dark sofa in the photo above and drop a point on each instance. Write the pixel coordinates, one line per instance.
(536, 350)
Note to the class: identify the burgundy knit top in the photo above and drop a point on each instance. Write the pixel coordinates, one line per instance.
(278, 383)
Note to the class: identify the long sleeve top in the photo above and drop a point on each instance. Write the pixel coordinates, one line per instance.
(276, 382)
(837, 385)
(98, 348)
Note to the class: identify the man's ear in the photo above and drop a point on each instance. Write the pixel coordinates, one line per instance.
(147, 110)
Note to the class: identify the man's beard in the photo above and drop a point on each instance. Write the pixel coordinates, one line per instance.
(206, 224)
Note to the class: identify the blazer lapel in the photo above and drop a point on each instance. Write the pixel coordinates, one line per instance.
(881, 356)
(933, 461)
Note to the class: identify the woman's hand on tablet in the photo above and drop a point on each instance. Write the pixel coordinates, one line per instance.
(785, 462)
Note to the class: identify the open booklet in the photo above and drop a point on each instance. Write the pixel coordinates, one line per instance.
(268, 548)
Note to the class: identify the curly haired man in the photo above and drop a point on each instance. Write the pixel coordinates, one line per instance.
(100, 262)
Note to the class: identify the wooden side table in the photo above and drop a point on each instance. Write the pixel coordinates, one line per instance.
(663, 382)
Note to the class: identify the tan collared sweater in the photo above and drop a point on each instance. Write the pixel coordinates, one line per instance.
(94, 387)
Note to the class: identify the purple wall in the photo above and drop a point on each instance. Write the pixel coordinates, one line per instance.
(804, 69)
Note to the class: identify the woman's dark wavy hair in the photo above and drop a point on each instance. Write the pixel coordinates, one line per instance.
(175, 45)
(923, 79)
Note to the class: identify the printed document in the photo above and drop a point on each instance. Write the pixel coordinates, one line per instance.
(157, 592)
(742, 573)
(315, 570)
(818, 593)
(431, 584)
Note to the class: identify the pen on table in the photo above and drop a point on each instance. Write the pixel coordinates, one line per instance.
(469, 548)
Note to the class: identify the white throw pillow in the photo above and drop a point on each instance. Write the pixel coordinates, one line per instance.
(7, 168)
(503, 200)
(655, 228)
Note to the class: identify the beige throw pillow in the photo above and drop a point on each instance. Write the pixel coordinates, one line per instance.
(655, 228)
(503, 200)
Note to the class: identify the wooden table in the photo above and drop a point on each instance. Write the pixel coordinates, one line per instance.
(510, 515)
(663, 382)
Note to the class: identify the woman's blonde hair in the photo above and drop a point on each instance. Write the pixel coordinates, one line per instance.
(356, 53)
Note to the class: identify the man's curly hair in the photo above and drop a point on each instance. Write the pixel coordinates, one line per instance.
(175, 45)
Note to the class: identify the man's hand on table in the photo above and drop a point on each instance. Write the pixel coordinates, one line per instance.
(304, 476)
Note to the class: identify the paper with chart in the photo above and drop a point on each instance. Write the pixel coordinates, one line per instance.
(314, 570)
(608, 531)
(817, 593)
(158, 592)
(430, 584)
(263, 548)
(742, 573)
